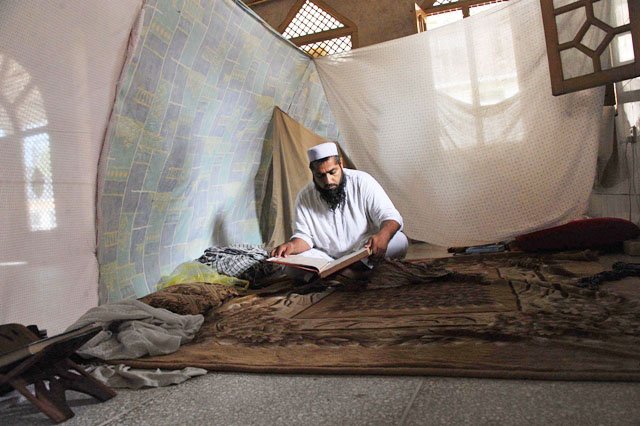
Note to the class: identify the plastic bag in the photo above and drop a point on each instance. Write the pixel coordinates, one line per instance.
(196, 272)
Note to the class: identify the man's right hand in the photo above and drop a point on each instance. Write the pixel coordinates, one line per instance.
(283, 250)
(293, 246)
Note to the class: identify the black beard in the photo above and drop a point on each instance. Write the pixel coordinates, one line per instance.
(336, 196)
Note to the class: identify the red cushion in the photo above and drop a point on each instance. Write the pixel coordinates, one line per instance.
(597, 232)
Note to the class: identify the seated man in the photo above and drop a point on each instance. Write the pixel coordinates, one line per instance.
(341, 211)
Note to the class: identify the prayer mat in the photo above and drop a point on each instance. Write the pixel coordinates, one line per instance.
(505, 315)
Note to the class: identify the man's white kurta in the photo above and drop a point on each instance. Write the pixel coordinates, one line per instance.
(348, 227)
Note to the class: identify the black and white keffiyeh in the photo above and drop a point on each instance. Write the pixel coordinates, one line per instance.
(245, 262)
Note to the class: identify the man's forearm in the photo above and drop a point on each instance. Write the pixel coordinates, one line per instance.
(389, 228)
(293, 246)
(298, 245)
(378, 242)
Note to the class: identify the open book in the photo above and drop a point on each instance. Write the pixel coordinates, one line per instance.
(75, 337)
(322, 267)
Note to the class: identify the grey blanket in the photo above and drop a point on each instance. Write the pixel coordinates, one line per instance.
(122, 376)
(132, 329)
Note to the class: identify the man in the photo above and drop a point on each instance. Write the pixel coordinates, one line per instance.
(342, 210)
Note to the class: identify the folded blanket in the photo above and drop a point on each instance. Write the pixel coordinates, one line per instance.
(132, 329)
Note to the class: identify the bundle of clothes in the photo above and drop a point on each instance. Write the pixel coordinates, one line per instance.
(133, 328)
(244, 262)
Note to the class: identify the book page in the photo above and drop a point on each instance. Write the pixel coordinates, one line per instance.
(321, 266)
(344, 261)
(298, 260)
(357, 253)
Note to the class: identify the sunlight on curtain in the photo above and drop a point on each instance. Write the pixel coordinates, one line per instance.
(20, 95)
(474, 10)
(39, 183)
(59, 65)
(441, 19)
(460, 127)
(461, 73)
(27, 122)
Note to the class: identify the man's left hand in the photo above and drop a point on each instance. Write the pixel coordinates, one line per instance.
(377, 244)
(379, 241)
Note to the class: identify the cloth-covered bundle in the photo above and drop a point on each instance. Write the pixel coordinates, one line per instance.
(246, 262)
(132, 329)
(191, 298)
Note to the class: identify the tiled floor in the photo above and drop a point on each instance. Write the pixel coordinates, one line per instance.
(262, 399)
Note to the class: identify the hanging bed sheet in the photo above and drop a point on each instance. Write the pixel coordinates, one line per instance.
(459, 126)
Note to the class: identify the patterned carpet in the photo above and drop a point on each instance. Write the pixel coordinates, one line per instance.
(503, 315)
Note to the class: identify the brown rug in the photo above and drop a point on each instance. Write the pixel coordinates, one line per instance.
(501, 316)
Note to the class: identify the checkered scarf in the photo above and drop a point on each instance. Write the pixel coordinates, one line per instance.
(246, 262)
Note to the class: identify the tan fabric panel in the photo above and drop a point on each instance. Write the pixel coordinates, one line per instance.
(289, 173)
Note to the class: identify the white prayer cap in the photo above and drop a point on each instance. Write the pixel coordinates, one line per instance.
(323, 150)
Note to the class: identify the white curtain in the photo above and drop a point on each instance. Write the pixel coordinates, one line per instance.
(458, 124)
(59, 65)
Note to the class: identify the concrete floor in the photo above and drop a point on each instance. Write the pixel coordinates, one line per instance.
(264, 399)
(261, 399)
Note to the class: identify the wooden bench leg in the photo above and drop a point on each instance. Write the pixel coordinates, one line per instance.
(50, 402)
(72, 376)
(62, 376)
(47, 363)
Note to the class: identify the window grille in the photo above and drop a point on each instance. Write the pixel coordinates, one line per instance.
(441, 2)
(310, 20)
(603, 47)
(328, 47)
(318, 30)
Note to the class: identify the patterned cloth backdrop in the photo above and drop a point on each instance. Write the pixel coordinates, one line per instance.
(185, 145)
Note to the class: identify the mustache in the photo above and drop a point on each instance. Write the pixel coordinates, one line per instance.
(333, 196)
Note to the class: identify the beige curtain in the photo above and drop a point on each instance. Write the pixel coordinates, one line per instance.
(461, 129)
(288, 174)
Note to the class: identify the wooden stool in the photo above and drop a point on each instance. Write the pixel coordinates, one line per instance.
(26, 359)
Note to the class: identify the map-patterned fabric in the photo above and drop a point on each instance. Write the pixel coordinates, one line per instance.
(185, 150)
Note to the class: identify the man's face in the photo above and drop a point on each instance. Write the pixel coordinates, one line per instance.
(328, 178)
(327, 175)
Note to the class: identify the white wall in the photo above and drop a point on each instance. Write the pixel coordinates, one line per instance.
(618, 192)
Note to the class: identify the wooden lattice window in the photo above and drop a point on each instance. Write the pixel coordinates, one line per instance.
(431, 14)
(591, 42)
(318, 29)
